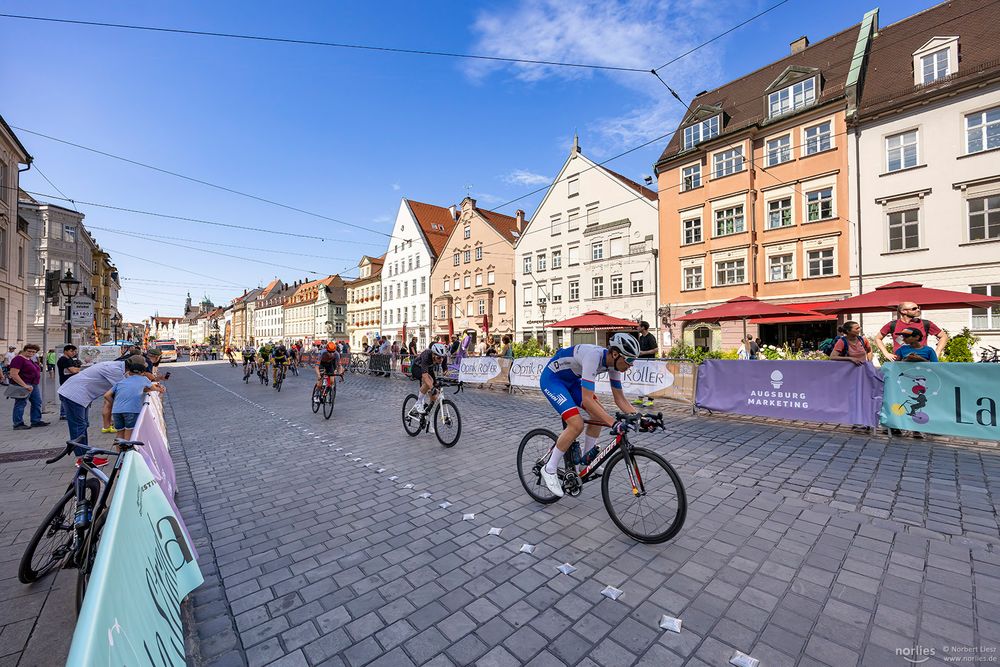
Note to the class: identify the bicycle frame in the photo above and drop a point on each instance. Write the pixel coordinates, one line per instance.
(575, 480)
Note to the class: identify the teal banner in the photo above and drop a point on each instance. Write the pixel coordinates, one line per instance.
(145, 566)
(944, 398)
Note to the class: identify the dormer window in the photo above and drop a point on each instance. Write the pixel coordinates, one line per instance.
(934, 66)
(702, 131)
(937, 59)
(791, 98)
(467, 232)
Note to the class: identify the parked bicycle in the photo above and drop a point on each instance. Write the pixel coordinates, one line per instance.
(69, 534)
(989, 355)
(445, 417)
(325, 394)
(642, 492)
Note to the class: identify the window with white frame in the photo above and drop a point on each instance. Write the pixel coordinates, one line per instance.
(727, 162)
(527, 263)
(467, 280)
(479, 253)
(779, 150)
(573, 220)
(554, 223)
(479, 279)
(819, 205)
(593, 214)
(729, 221)
(69, 234)
(819, 138)
(457, 284)
(557, 259)
(636, 278)
(693, 277)
(423, 312)
(410, 263)
(540, 262)
(703, 131)
(467, 256)
(423, 284)
(730, 272)
(984, 218)
(617, 246)
(574, 290)
(791, 98)
(986, 318)
(901, 151)
(467, 232)
(820, 263)
(528, 292)
(443, 312)
(904, 230)
(555, 292)
(691, 177)
(573, 186)
(573, 255)
(691, 231)
(491, 277)
(982, 130)
(456, 259)
(935, 66)
(597, 250)
(542, 295)
(779, 213)
(598, 287)
(617, 285)
(482, 306)
(780, 267)
(417, 262)
(502, 304)
(456, 309)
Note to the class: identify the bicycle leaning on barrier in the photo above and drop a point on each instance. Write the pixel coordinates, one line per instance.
(69, 534)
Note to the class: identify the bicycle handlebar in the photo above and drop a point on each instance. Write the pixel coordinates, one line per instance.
(92, 451)
(635, 419)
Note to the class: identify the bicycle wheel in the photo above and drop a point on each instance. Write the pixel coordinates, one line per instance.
(411, 425)
(447, 423)
(532, 454)
(657, 514)
(328, 399)
(317, 398)
(89, 556)
(51, 542)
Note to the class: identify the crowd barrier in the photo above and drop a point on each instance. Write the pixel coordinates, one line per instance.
(146, 562)
(957, 399)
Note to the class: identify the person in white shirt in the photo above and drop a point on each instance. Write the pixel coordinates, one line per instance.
(77, 393)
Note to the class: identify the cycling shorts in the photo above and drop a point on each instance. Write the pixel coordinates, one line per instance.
(281, 361)
(564, 394)
(417, 372)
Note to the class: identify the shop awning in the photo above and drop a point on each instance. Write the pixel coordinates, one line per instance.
(595, 320)
(818, 317)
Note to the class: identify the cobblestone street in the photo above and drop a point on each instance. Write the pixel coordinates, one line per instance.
(801, 547)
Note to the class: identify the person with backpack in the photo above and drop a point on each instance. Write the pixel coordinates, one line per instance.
(908, 317)
(851, 345)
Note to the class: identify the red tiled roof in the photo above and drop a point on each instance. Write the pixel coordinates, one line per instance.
(744, 102)
(505, 225)
(889, 76)
(435, 222)
(642, 190)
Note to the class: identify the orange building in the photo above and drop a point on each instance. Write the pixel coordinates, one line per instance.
(753, 195)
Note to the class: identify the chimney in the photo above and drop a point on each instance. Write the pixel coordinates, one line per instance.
(454, 212)
(800, 44)
(519, 216)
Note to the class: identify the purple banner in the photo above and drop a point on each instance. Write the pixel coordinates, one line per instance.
(819, 391)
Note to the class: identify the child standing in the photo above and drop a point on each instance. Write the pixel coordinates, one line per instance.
(127, 394)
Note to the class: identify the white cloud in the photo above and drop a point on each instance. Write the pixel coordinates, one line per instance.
(395, 186)
(486, 199)
(642, 34)
(525, 177)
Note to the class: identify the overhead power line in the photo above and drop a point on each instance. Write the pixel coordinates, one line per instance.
(171, 266)
(335, 45)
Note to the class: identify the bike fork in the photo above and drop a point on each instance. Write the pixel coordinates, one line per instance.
(638, 488)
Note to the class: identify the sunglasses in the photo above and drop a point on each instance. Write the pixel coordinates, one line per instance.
(628, 360)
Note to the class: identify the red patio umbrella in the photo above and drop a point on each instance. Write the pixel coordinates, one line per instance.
(887, 297)
(451, 327)
(744, 308)
(486, 325)
(595, 320)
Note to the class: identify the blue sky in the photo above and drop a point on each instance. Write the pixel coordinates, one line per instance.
(346, 133)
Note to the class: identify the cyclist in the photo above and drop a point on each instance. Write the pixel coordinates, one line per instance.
(280, 359)
(328, 364)
(423, 368)
(568, 383)
(264, 357)
(249, 354)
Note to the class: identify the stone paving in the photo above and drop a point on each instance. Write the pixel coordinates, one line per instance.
(801, 547)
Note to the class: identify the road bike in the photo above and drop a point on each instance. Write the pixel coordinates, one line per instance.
(989, 355)
(642, 493)
(69, 534)
(249, 368)
(324, 394)
(262, 373)
(294, 367)
(279, 375)
(446, 419)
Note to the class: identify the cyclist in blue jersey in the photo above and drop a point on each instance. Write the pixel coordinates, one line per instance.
(568, 383)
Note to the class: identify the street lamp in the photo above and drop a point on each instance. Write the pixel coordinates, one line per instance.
(542, 304)
(69, 287)
(116, 320)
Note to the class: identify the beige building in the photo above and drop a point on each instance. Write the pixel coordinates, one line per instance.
(364, 302)
(15, 243)
(473, 277)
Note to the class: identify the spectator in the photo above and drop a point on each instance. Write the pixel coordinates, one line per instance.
(506, 349)
(384, 350)
(748, 349)
(481, 348)
(454, 346)
(851, 346)
(491, 347)
(26, 373)
(84, 388)
(125, 397)
(67, 366)
(908, 317)
(413, 347)
(913, 348)
(647, 350)
(50, 362)
(7, 358)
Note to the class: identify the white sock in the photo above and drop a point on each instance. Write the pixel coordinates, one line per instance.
(553, 465)
(589, 441)
(421, 400)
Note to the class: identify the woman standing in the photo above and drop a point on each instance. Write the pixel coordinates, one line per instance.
(506, 351)
(26, 373)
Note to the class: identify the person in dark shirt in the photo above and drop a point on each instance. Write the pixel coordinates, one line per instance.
(647, 350)
(67, 366)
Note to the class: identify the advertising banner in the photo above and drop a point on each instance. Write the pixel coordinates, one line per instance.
(145, 566)
(658, 378)
(819, 391)
(948, 399)
(478, 369)
(91, 354)
(526, 371)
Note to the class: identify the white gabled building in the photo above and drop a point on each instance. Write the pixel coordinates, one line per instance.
(591, 245)
(418, 238)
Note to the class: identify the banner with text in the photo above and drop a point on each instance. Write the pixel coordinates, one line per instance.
(658, 378)
(92, 354)
(949, 399)
(145, 566)
(478, 369)
(818, 391)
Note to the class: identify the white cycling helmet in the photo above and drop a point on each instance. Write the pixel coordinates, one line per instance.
(624, 343)
(439, 349)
